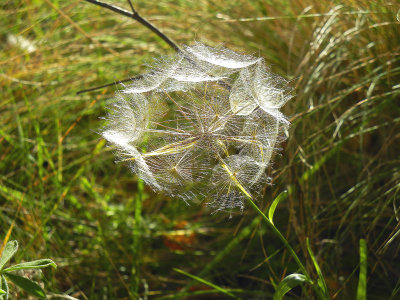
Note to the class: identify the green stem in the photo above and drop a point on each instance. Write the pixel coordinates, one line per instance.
(267, 220)
(249, 198)
(303, 269)
(281, 237)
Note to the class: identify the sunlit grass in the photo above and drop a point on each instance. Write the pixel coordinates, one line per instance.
(71, 203)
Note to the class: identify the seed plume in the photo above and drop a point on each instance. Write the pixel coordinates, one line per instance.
(209, 120)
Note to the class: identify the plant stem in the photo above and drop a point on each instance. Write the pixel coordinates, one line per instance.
(281, 237)
(303, 269)
(267, 220)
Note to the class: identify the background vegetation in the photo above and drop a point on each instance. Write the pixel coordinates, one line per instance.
(62, 196)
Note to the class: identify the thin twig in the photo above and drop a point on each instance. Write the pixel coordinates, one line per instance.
(131, 5)
(108, 84)
(135, 15)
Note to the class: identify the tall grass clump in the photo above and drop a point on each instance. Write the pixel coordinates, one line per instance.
(342, 168)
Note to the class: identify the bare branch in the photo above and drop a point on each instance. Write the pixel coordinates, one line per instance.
(135, 15)
(132, 8)
(106, 85)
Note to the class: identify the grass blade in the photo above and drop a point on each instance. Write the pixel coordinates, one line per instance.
(282, 196)
(201, 280)
(321, 280)
(245, 232)
(362, 281)
(288, 283)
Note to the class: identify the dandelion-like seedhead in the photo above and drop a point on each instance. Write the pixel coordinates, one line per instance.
(209, 121)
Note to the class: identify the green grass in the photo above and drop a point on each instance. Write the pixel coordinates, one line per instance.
(62, 196)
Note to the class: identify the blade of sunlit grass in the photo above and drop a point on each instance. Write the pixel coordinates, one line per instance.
(203, 281)
(362, 279)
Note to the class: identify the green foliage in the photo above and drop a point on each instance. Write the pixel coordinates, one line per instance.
(62, 195)
(362, 278)
(4, 287)
(9, 251)
(26, 284)
(288, 283)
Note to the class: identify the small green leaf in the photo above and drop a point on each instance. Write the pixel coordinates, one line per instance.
(362, 281)
(27, 285)
(4, 287)
(278, 199)
(36, 264)
(288, 283)
(8, 252)
(2, 292)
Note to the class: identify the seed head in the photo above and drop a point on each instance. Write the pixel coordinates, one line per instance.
(209, 121)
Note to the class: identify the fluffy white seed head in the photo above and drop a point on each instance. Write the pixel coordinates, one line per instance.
(201, 125)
